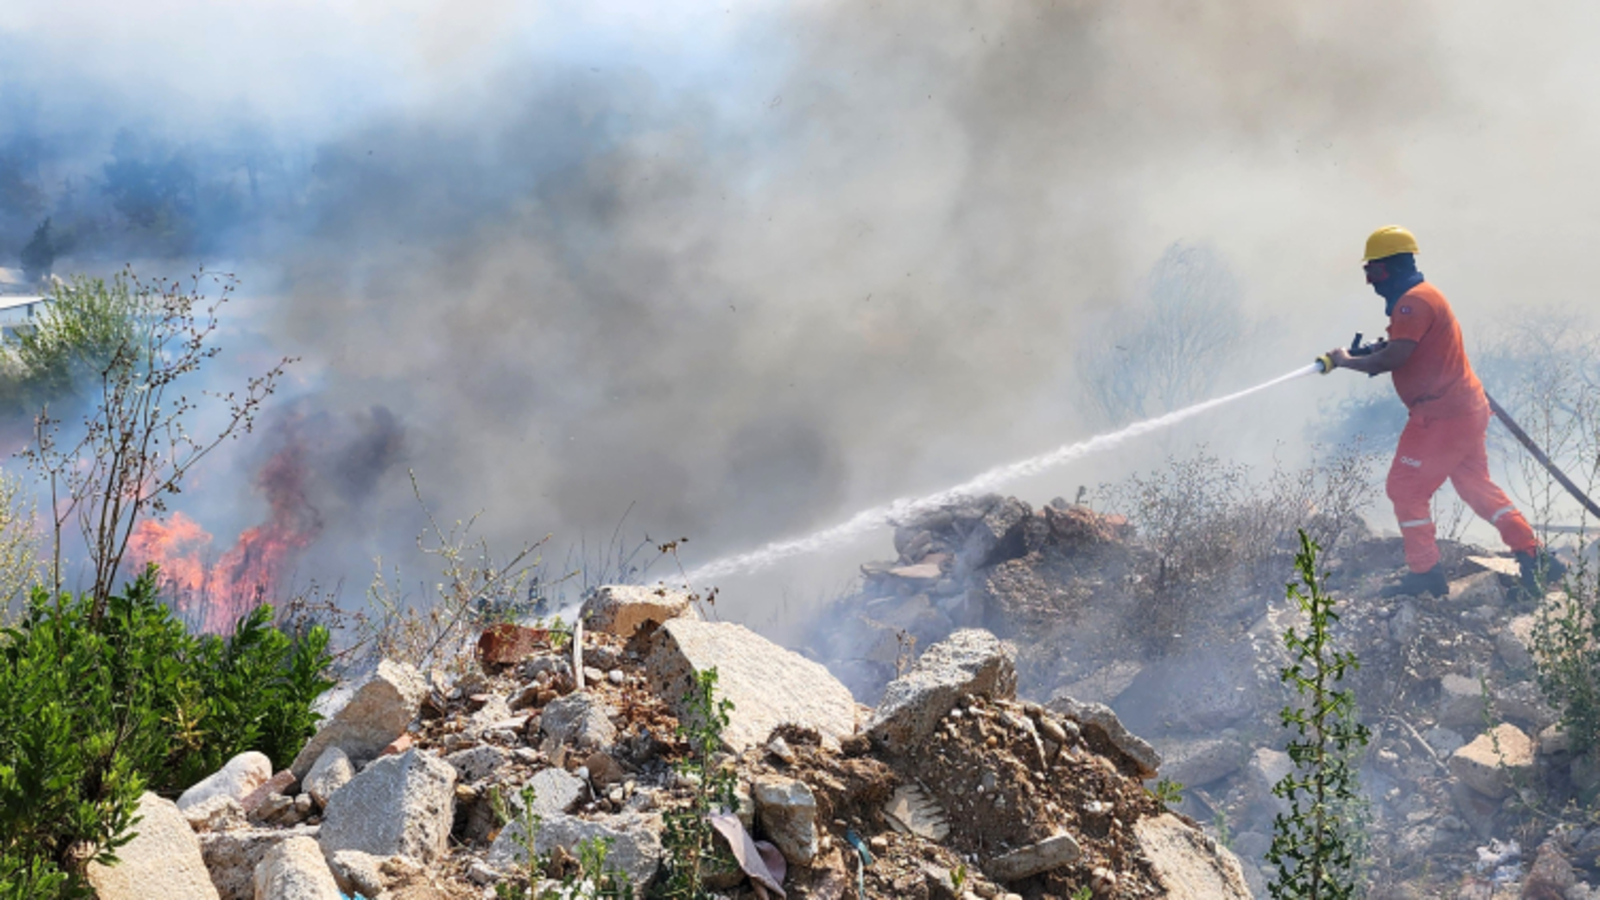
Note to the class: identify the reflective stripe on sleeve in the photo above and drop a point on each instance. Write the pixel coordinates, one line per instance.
(1416, 523)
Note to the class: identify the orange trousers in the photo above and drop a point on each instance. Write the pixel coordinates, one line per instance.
(1431, 451)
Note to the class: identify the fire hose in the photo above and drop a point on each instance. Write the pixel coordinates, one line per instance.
(1357, 348)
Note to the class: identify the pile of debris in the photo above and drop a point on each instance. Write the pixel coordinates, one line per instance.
(1466, 768)
(951, 788)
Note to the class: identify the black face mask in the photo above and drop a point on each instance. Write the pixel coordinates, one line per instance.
(1392, 276)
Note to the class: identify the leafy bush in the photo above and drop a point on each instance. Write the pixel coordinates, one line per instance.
(98, 710)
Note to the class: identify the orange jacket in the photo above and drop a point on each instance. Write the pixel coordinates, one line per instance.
(1437, 380)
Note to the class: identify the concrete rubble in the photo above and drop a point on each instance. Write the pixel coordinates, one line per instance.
(953, 780)
(162, 860)
(1076, 596)
(377, 713)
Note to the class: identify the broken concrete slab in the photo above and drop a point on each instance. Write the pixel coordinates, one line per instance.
(970, 661)
(1478, 589)
(768, 685)
(1101, 726)
(578, 719)
(163, 859)
(911, 811)
(295, 870)
(620, 609)
(231, 856)
(787, 810)
(635, 848)
(1025, 862)
(477, 763)
(1201, 762)
(1188, 864)
(397, 806)
(1494, 761)
(378, 711)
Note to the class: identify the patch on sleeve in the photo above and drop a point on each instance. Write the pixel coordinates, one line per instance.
(1404, 310)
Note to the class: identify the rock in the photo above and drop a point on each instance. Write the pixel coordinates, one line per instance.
(554, 792)
(970, 661)
(1105, 732)
(242, 774)
(495, 710)
(1461, 702)
(1196, 763)
(1554, 739)
(578, 719)
(994, 538)
(1198, 692)
(477, 763)
(398, 805)
(604, 770)
(787, 810)
(635, 850)
(331, 771)
(379, 711)
(1051, 853)
(768, 685)
(1523, 702)
(1187, 864)
(371, 876)
(232, 856)
(295, 870)
(163, 859)
(1478, 812)
(1514, 643)
(1493, 761)
(620, 609)
(1550, 877)
(1443, 741)
(218, 813)
(1478, 589)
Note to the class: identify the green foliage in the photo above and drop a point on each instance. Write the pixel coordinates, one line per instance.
(99, 710)
(1169, 792)
(1566, 652)
(74, 337)
(1313, 846)
(689, 839)
(1083, 893)
(592, 879)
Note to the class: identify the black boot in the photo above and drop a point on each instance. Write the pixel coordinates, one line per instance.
(1418, 584)
(1541, 571)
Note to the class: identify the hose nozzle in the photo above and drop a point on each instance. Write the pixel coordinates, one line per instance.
(1326, 362)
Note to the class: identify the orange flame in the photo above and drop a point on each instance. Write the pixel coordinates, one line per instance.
(215, 595)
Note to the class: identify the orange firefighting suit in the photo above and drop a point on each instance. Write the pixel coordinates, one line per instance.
(1445, 435)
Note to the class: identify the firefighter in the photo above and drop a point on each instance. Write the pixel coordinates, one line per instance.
(1448, 425)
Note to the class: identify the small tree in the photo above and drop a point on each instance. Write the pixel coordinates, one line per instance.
(1312, 844)
(39, 254)
(136, 447)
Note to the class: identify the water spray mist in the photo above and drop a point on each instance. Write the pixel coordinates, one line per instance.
(869, 520)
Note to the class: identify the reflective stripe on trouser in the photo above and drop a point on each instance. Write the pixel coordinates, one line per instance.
(1453, 450)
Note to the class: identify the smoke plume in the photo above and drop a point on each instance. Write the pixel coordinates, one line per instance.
(743, 270)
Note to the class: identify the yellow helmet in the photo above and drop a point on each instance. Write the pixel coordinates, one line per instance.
(1389, 240)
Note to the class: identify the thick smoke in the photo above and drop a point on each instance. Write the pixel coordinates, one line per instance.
(741, 271)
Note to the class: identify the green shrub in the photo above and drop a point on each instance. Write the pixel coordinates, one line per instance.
(1314, 845)
(98, 711)
(688, 840)
(1566, 652)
